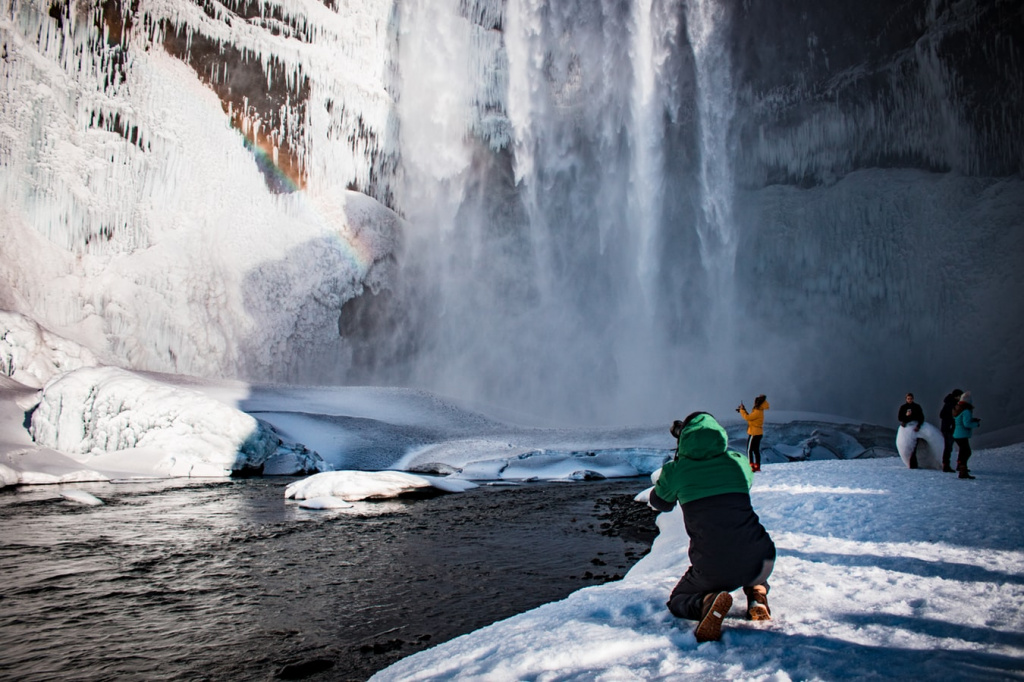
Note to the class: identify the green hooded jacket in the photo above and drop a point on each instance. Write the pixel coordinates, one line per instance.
(703, 465)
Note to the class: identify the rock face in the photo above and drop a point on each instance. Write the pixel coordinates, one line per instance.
(581, 211)
(829, 88)
(879, 156)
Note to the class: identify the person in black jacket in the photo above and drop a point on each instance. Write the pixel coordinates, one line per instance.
(911, 413)
(947, 424)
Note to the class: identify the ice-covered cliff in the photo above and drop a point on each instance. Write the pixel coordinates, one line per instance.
(612, 211)
(176, 178)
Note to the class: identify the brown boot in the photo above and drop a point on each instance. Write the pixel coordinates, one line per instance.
(716, 606)
(757, 603)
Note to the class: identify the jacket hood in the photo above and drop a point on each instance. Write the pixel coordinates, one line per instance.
(960, 407)
(702, 438)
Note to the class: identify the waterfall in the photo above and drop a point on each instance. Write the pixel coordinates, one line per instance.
(647, 182)
(706, 24)
(589, 211)
(531, 271)
(545, 267)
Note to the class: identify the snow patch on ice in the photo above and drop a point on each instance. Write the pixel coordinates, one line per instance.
(369, 485)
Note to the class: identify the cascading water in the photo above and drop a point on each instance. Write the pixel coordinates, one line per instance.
(647, 183)
(536, 267)
(706, 25)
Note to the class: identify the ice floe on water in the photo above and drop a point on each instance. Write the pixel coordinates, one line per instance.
(369, 485)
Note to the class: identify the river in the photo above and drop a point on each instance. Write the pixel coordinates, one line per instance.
(190, 579)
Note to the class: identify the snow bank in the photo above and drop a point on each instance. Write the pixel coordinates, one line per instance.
(94, 413)
(102, 423)
(369, 485)
(94, 424)
(929, 445)
(801, 438)
(862, 588)
(515, 456)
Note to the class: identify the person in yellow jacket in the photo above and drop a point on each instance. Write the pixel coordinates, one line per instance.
(755, 429)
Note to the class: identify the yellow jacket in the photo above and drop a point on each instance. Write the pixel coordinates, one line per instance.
(755, 419)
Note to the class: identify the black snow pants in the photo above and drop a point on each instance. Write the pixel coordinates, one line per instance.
(754, 449)
(947, 448)
(729, 549)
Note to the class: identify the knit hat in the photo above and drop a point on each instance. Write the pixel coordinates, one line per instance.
(966, 397)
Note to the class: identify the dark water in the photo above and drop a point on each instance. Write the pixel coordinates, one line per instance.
(179, 580)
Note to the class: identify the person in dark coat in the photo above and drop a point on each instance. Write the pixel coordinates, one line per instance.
(729, 548)
(911, 414)
(964, 424)
(947, 423)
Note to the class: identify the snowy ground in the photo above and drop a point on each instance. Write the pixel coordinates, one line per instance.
(883, 573)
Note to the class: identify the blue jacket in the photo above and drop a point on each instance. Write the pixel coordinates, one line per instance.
(965, 422)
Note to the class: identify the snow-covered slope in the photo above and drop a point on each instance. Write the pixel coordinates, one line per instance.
(882, 573)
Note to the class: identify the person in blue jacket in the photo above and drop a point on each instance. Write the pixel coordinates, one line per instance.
(964, 424)
(729, 548)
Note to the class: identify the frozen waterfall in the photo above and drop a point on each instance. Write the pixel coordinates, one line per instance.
(610, 211)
